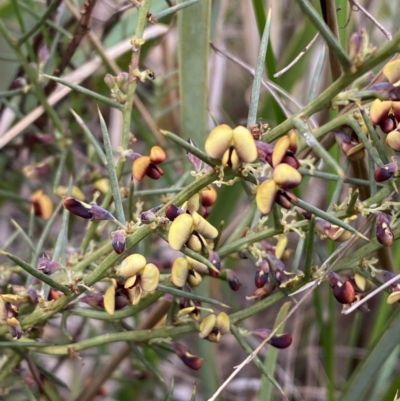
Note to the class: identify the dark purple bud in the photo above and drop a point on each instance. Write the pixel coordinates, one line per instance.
(384, 233)
(291, 160)
(281, 341)
(233, 280)
(79, 208)
(388, 124)
(46, 265)
(33, 295)
(333, 279)
(15, 331)
(387, 275)
(191, 361)
(197, 163)
(121, 300)
(172, 212)
(98, 213)
(118, 241)
(385, 172)
(154, 172)
(19, 82)
(147, 217)
(261, 278)
(284, 199)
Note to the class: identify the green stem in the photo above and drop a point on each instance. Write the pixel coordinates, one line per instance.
(326, 33)
(324, 99)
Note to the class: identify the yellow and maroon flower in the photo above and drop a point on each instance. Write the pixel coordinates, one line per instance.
(141, 277)
(192, 230)
(42, 204)
(147, 165)
(187, 270)
(212, 327)
(283, 177)
(231, 146)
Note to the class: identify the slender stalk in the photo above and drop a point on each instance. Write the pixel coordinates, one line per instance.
(255, 90)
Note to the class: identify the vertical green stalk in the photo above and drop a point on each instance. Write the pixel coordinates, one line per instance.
(193, 48)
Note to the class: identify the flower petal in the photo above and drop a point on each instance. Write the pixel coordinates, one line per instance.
(150, 277)
(180, 231)
(140, 167)
(131, 265)
(179, 272)
(392, 72)
(42, 204)
(379, 110)
(203, 227)
(281, 147)
(195, 242)
(266, 195)
(109, 300)
(157, 155)
(207, 325)
(244, 144)
(223, 323)
(286, 176)
(393, 140)
(218, 141)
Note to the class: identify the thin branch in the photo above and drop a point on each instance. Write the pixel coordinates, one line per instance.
(372, 18)
(297, 58)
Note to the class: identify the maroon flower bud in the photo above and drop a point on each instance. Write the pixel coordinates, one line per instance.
(388, 124)
(333, 278)
(261, 278)
(344, 293)
(233, 280)
(284, 198)
(191, 361)
(90, 212)
(154, 171)
(281, 341)
(121, 300)
(384, 233)
(118, 241)
(172, 212)
(385, 172)
(291, 160)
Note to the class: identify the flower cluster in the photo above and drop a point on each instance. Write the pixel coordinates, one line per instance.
(212, 327)
(188, 227)
(140, 277)
(148, 165)
(231, 146)
(285, 175)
